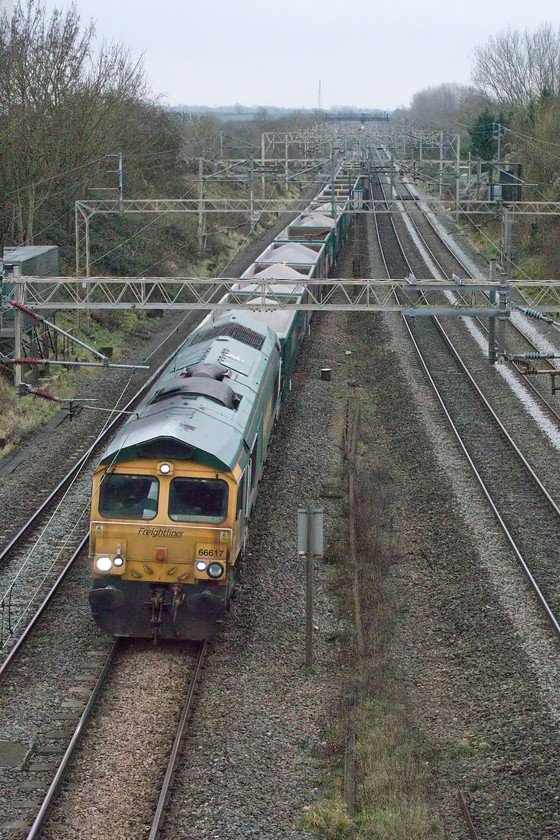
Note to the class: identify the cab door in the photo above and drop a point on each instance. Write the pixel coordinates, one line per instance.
(240, 528)
(252, 473)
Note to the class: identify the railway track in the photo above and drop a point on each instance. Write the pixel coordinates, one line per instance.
(38, 557)
(73, 744)
(517, 338)
(525, 511)
(106, 752)
(490, 448)
(158, 821)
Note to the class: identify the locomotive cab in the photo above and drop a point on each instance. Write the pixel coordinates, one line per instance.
(163, 542)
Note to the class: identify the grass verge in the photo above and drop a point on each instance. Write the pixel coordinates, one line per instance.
(392, 783)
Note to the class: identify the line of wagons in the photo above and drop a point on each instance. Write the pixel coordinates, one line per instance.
(173, 493)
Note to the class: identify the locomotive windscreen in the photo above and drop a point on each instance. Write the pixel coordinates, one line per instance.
(128, 496)
(198, 499)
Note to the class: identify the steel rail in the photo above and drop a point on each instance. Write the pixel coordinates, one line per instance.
(352, 529)
(551, 617)
(466, 814)
(350, 452)
(530, 385)
(71, 748)
(378, 234)
(397, 239)
(14, 651)
(157, 822)
(505, 529)
(498, 422)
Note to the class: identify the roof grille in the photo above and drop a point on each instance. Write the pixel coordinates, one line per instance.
(198, 386)
(236, 331)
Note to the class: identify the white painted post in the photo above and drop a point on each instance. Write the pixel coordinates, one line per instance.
(19, 295)
(310, 545)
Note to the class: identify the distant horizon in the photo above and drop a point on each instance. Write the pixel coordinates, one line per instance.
(237, 106)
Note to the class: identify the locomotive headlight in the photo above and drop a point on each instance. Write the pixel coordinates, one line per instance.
(165, 469)
(118, 561)
(215, 570)
(200, 566)
(103, 564)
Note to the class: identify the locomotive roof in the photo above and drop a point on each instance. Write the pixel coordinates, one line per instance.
(279, 320)
(189, 423)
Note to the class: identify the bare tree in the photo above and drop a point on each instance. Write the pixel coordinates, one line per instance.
(517, 68)
(60, 105)
(438, 106)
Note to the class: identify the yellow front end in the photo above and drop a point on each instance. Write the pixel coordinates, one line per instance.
(163, 540)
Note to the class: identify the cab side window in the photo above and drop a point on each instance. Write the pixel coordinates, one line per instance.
(254, 462)
(240, 495)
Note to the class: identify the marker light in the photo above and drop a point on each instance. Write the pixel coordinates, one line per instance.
(215, 570)
(103, 564)
(118, 561)
(200, 566)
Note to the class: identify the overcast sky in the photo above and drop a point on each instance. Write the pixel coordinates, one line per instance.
(259, 52)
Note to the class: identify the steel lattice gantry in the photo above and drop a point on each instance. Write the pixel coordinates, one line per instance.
(416, 297)
(410, 297)
(85, 210)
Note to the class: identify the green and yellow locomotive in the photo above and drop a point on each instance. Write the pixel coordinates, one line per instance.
(173, 492)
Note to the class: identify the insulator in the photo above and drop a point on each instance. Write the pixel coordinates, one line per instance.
(25, 309)
(45, 394)
(532, 355)
(534, 313)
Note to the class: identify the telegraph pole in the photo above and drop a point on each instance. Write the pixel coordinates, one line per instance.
(252, 189)
(496, 127)
(263, 159)
(120, 184)
(492, 320)
(333, 170)
(18, 332)
(201, 206)
(440, 166)
(507, 223)
(118, 172)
